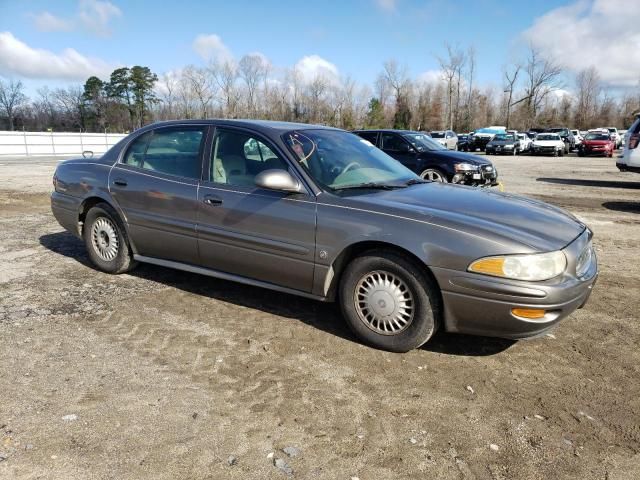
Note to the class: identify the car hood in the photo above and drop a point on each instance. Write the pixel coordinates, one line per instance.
(596, 142)
(455, 156)
(519, 224)
(502, 142)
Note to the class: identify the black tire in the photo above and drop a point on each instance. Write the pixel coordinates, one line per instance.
(122, 260)
(424, 292)
(425, 174)
(561, 153)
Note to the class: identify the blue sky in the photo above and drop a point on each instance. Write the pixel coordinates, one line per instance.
(356, 36)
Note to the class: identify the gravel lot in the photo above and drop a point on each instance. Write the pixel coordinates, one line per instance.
(161, 374)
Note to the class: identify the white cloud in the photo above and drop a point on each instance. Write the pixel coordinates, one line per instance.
(431, 76)
(311, 67)
(92, 15)
(211, 47)
(19, 59)
(602, 33)
(47, 22)
(387, 5)
(95, 15)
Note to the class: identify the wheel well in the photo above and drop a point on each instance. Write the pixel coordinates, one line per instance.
(87, 205)
(357, 249)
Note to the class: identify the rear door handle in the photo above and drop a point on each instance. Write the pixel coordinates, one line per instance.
(212, 200)
(120, 182)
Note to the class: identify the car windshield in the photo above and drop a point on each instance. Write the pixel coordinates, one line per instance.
(547, 136)
(611, 130)
(422, 142)
(597, 136)
(557, 130)
(502, 137)
(437, 134)
(339, 160)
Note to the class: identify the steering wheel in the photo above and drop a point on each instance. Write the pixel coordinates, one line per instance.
(350, 166)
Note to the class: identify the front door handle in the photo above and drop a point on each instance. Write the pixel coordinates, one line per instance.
(120, 182)
(212, 200)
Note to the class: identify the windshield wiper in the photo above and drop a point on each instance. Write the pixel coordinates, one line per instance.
(372, 185)
(415, 181)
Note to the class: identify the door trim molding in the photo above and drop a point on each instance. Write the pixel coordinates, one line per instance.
(226, 276)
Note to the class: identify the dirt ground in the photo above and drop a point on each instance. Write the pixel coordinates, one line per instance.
(160, 374)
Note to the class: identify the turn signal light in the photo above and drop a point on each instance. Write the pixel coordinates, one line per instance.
(532, 313)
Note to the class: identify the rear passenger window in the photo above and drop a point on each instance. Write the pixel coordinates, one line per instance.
(174, 151)
(370, 136)
(393, 142)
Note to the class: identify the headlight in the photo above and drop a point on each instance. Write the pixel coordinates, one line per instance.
(534, 267)
(465, 167)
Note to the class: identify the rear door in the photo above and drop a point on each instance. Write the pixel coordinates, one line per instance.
(397, 147)
(249, 231)
(155, 184)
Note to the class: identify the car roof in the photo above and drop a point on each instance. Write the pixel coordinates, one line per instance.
(390, 130)
(272, 126)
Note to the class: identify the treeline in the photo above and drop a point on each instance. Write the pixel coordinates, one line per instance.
(533, 93)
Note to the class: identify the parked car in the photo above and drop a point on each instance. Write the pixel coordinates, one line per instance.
(431, 160)
(482, 136)
(566, 136)
(464, 143)
(446, 138)
(597, 143)
(503, 143)
(525, 142)
(578, 137)
(322, 213)
(630, 160)
(617, 139)
(548, 144)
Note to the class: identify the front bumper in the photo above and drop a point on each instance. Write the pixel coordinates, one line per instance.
(500, 150)
(482, 305)
(595, 151)
(544, 150)
(485, 176)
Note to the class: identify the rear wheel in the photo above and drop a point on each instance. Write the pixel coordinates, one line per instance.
(106, 240)
(388, 302)
(434, 175)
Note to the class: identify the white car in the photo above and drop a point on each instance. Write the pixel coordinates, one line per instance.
(446, 138)
(525, 142)
(548, 144)
(630, 160)
(578, 137)
(617, 139)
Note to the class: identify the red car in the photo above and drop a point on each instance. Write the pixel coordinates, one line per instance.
(597, 143)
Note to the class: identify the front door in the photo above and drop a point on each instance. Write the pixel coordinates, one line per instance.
(397, 147)
(248, 231)
(155, 184)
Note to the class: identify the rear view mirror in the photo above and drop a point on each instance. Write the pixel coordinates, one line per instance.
(279, 180)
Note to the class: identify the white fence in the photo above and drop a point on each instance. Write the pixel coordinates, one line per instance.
(33, 144)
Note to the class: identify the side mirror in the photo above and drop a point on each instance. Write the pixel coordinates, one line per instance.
(87, 154)
(279, 180)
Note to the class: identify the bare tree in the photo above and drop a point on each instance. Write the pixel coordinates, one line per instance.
(543, 77)
(226, 76)
(471, 70)
(202, 88)
(253, 68)
(451, 67)
(588, 90)
(510, 77)
(11, 98)
(71, 102)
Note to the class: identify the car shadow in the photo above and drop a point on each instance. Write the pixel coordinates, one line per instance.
(320, 315)
(629, 207)
(591, 183)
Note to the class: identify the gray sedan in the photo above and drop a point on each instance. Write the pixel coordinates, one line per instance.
(322, 213)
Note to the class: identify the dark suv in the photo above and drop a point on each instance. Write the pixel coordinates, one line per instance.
(566, 136)
(431, 160)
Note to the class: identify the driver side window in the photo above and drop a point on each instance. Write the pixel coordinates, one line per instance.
(391, 141)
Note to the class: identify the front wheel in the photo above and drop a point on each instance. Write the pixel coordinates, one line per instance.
(106, 240)
(389, 302)
(434, 175)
